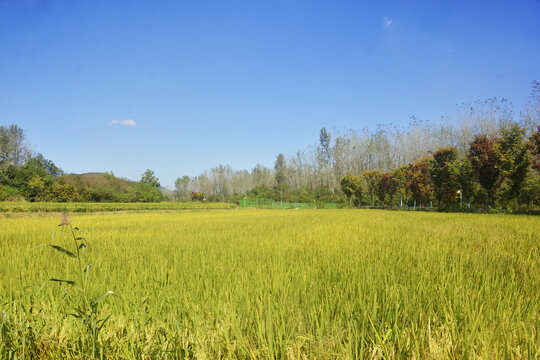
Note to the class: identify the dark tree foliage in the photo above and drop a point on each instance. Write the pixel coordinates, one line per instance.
(419, 181)
(444, 175)
(467, 179)
(197, 196)
(388, 186)
(534, 148)
(513, 158)
(484, 162)
(400, 177)
(372, 179)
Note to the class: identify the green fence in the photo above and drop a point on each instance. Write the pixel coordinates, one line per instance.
(271, 204)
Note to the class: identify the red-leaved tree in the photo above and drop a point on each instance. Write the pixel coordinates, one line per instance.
(419, 181)
(484, 161)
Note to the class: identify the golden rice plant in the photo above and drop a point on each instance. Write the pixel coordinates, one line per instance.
(278, 284)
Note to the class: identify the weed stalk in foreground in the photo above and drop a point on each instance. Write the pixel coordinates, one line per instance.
(86, 307)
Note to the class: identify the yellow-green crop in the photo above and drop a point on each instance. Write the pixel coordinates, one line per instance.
(306, 284)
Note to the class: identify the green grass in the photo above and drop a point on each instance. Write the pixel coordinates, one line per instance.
(24, 207)
(310, 284)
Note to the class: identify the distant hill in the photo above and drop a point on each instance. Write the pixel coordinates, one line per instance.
(105, 187)
(94, 180)
(102, 187)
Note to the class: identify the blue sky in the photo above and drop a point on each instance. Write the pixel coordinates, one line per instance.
(181, 86)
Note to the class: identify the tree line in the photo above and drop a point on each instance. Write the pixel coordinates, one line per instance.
(503, 169)
(483, 155)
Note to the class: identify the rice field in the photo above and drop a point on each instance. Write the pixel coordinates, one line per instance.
(272, 284)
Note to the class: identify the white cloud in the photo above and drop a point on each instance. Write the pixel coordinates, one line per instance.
(127, 122)
(386, 22)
